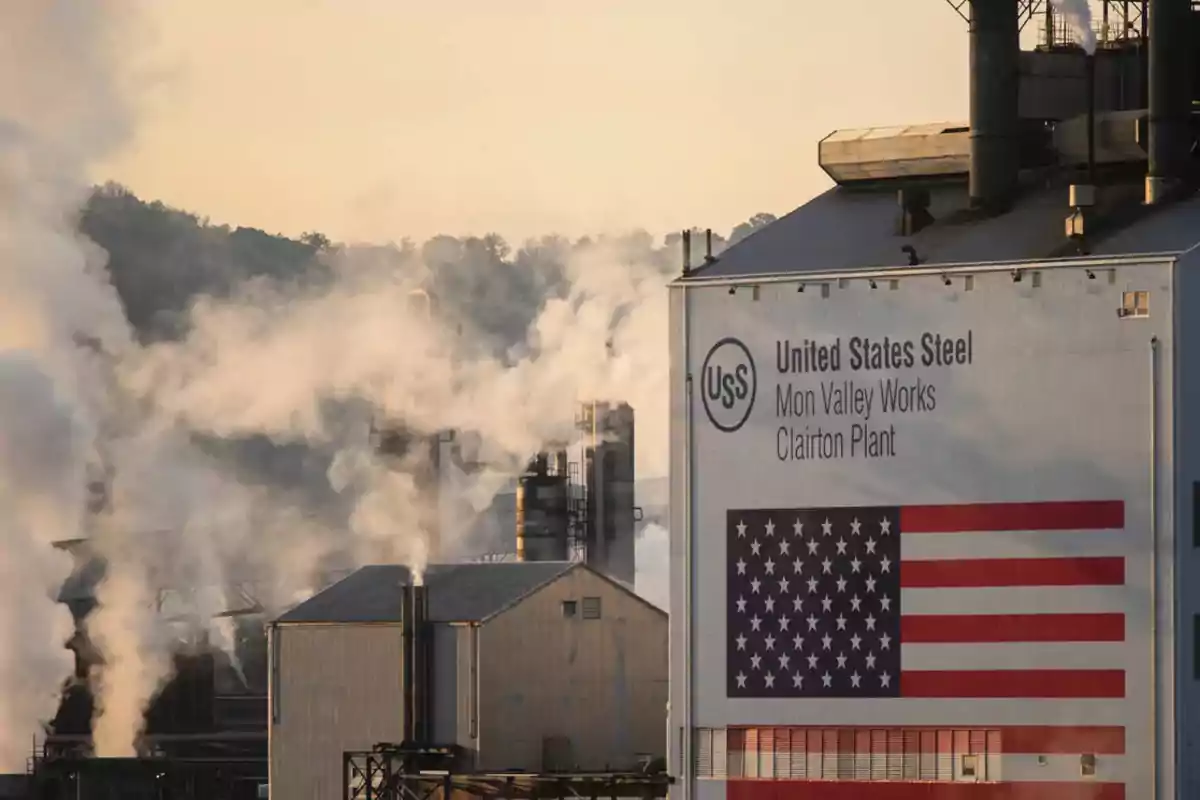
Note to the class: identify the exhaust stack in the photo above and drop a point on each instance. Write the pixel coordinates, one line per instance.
(414, 616)
(995, 145)
(1170, 104)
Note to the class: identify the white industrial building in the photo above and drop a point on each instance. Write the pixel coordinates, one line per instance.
(533, 666)
(823, 643)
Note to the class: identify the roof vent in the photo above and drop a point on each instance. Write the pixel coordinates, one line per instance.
(914, 211)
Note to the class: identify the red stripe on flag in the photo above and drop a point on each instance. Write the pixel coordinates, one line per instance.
(979, 572)
(942, 628)
(1102, 740)
(900, 790)
(1014, 683)
(976, 517)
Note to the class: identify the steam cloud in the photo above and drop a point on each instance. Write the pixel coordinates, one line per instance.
(652, 556)
(1079, 14)
(59, 107)
(81, 399)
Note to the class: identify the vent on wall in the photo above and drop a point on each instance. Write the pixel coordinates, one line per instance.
(591, 608)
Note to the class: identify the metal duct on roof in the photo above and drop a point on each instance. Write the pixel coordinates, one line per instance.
(910, 151)
(1120, 138)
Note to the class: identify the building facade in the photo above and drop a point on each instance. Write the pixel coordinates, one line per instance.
(535, 666)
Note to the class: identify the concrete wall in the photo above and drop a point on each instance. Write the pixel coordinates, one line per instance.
(600, 684)
(333, 688)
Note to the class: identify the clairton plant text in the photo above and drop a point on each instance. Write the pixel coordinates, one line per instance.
(857, 401)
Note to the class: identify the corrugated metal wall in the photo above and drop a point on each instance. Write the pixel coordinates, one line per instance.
(589, 692)
(334, 688)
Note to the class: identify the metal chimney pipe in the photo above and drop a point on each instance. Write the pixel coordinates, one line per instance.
(1170, 105)
(408, 683)
(414, 622)
(1091, 118)
(995, 147)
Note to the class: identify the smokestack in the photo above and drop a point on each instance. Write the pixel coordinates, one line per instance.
(1170, 104)
(416, 690)
(1091, 118)
(995, 152)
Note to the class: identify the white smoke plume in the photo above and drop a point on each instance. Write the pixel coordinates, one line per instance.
(652, 555)
(606, 340)
(63, 418)
(59, 107)
(1079, 14)
(42, 494)
(78, 395)
(136, 655)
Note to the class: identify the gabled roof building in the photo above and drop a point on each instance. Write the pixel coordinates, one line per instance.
(534, 666)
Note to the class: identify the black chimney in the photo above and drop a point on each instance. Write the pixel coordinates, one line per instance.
(995, 145)
(415, 625)
(1091, 118)
(1170, 104)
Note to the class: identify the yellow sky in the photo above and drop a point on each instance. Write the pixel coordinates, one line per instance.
(376, 119)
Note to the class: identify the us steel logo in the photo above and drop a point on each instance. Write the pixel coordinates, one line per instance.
(728, 384)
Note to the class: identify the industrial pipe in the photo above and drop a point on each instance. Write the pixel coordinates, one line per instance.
(416, 689)
(1170, 105)
(995, 146)
(1091, 118)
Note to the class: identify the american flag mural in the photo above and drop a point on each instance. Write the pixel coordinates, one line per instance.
(920, 606)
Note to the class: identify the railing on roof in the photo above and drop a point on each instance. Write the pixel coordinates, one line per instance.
(1114, 23)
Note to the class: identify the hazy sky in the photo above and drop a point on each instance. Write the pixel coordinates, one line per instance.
(375, 119)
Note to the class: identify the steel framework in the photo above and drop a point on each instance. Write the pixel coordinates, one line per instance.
(390, 772)
(1119, 21)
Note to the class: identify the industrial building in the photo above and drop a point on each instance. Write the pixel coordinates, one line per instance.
(527, 666)
(1059, 224)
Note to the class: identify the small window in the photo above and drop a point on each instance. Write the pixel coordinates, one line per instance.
(1135, 304)
(591, 608)
(969, 766)
(568, 608)
(1087, 765)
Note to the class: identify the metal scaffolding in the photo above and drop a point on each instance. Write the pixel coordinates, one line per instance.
(390, 772)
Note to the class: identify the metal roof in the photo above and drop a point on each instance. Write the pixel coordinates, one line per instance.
(457, 592)
(845, 229)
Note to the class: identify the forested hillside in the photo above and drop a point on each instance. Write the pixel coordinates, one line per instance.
(160, 258)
